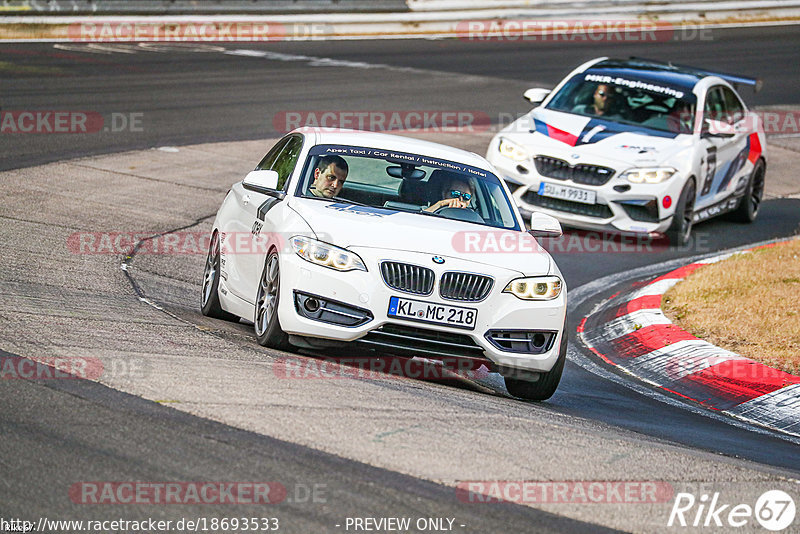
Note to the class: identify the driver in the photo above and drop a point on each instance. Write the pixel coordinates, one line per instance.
(456, 193)
(329, 176)
(602, 102)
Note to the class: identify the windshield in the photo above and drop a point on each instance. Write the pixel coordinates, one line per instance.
(401, 181)
(629, 100)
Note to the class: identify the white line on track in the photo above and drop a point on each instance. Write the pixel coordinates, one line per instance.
(315, 61)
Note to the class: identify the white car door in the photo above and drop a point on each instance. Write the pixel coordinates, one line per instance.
(725, 153)
(257, 225)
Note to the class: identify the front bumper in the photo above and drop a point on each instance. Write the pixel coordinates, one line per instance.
(365, 293)
(619, 206)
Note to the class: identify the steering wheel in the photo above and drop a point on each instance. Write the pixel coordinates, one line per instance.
(459, 214)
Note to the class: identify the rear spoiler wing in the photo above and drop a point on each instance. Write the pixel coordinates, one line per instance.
(733, 79)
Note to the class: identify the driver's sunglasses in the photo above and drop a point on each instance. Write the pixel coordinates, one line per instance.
(455, 193)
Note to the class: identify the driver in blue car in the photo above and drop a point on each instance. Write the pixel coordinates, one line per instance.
(455, 193)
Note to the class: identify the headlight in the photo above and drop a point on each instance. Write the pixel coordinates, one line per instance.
(535, 288)
(512, 150)
(649, 176)
(326, 255)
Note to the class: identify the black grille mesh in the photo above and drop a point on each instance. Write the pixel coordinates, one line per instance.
(582, 173)
(408, 278)
(465, 287)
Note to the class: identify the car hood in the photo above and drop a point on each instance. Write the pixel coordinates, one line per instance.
(350, 226)
(580, 139)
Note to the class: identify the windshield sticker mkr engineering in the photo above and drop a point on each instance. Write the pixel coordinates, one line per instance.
(634, 84)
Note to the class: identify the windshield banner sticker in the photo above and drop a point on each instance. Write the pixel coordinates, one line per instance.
(369, 211)
(634, 84)
(399, 157)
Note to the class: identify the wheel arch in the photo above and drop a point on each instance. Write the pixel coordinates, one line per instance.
(692, 178)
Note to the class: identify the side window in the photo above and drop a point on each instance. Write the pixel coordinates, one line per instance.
(285, 163)
(272, 155)
(733, 106)
(715, 105)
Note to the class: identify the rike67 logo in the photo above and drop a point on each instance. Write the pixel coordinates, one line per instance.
(774, 510)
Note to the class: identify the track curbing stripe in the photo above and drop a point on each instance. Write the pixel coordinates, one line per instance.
(632, 333)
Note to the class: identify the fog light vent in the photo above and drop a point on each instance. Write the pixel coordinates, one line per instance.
(329, 311)
(524, 341)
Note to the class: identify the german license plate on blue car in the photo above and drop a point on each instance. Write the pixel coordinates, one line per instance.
(426, 312)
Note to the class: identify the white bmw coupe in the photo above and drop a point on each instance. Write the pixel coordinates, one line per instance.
(390, 245)
(636, 146)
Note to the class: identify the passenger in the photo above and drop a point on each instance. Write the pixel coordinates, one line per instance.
(329, 176)
(681, 118)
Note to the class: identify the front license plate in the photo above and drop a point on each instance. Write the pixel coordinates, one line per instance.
(584, 196)
(426, 312)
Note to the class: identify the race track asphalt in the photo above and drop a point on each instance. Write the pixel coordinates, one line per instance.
(381, 447)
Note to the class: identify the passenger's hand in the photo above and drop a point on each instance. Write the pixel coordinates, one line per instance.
(448, 203)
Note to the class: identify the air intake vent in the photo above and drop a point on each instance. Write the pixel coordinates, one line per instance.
(465, 287)
(581, 173)
(408, 278)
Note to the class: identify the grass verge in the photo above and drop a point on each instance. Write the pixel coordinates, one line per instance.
(748, 304)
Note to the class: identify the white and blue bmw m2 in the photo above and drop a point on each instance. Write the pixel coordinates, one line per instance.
(393, 246)
(636, 146)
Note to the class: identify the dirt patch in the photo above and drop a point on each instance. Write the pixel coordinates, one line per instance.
(749, 304)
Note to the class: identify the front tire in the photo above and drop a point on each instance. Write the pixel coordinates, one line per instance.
(680, 230)
(268, 328)
(209, 299)
(748, 207)
(546, 386)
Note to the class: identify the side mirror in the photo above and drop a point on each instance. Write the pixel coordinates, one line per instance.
(536, 95)
(265, 182)
(545, 226)
(718, 128)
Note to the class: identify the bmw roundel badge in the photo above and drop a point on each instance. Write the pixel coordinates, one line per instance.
(438, 259)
